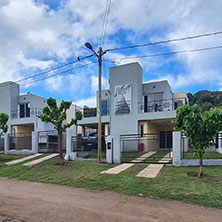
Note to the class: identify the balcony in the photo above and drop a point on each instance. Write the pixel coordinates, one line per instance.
(31, 112)
(92, 112)
(161, 105)
(89, 112)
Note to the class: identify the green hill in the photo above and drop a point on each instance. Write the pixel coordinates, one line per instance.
(206, 99)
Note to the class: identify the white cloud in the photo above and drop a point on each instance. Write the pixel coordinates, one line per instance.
(90, 102)
(94, 83)
(34, 36)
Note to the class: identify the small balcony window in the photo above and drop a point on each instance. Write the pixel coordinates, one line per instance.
(105, 108)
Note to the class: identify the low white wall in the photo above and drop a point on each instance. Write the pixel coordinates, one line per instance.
(177, 161)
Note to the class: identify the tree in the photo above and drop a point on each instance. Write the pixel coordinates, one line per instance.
(3, 123)
(206, 99)
(57, 116)
(200, 127)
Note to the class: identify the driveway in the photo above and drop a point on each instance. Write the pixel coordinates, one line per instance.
(27, 201)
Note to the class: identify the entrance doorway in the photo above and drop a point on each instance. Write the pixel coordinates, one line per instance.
(166, 139)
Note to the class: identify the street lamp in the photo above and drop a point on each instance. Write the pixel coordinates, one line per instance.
(99, 56)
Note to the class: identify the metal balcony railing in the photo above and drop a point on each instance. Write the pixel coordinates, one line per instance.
(92, 112)
(161, 105)
(32, 112)
(89, 112)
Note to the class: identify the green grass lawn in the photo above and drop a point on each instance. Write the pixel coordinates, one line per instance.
(172, 183)
(93, 154)
(129, 156)
(156, 157)
(207, 155)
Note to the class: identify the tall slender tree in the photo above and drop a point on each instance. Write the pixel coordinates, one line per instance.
(57, 116)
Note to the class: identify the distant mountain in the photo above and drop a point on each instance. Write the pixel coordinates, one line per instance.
(206, 99)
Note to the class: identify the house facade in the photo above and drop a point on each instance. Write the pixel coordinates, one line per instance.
(131, 107)
(27, 133)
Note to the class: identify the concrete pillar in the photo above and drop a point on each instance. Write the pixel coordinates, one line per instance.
(35, 142)
(6, 143)
(116, 149)
(220, 142)
(186, 144)
(109, 149)
(176, 148)
(70, 155)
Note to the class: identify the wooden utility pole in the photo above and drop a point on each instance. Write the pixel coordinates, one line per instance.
(100, 105)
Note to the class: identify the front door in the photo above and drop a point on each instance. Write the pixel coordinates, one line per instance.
(165, 139)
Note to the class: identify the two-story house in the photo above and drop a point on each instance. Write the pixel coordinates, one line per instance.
(133, 109)
(24, 112)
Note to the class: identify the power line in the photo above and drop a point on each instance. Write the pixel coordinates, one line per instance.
(105, 22)
(53, 69)
(166, 41)
(60, 73)
(170, 53)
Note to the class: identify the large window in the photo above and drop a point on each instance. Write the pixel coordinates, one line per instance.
(105, 107)
(153, 102)
(24, 110)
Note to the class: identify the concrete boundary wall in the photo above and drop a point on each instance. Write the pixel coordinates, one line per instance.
(177, 161)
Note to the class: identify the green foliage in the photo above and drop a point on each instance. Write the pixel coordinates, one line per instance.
(206, 99)
(57, 114)
(200, 127)
(3, 123)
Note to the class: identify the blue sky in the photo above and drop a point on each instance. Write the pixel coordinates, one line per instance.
(41, 34)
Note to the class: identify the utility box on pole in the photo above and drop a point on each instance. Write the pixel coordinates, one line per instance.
(109, 150)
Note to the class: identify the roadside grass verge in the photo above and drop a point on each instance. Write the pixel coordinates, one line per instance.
(172, 183)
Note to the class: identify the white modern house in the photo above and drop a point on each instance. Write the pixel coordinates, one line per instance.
(134, 109)
(27, 133)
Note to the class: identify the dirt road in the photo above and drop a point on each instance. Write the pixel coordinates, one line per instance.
(26, 201)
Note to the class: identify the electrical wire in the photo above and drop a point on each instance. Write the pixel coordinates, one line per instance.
(166, 41)
(170, 53)
(57, 74)
(37, 80)
(105, 22)
(53, 69)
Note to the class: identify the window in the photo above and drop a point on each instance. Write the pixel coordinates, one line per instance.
(141, 130)
(178, 104)
(155, 102)
(105, 108)
(24, 110)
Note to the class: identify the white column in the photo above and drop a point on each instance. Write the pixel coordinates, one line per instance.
(176, 148)
(186, 144)
(109, 149)
(70, 155)
(6, 143)
(116, 149)
(35, 142)
(220, 142)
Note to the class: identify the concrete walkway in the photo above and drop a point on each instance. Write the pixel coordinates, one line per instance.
(167, 158)
(143, 157)
(151, 171)
(34, 162)
(23, 159)
(118, 169)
